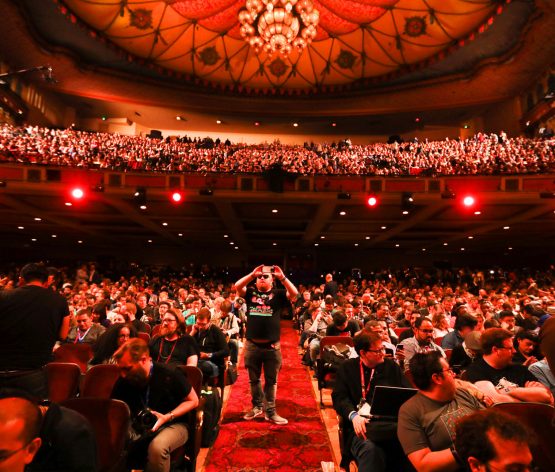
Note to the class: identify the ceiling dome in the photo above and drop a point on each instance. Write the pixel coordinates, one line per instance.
(357, 40)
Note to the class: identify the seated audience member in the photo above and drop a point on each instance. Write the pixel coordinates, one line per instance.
(112, 339)
(544, 374)
(508, 321)
(441, 325)
(341, 325)
(168, 396)
(173, 345)
(404, 319)
(526, 344)
(20, 422)
(314, 329)
(145, 312)
(422, 341)
(380, 328)
(67, 440)
(86, 331)
(409, 333)
(464, 324)
(489, 440)
(211, 343)
(464, 354)
(358, 375)
(426, 427)
(229, 324)
(498, 377)
(131, 311)
(99, 314)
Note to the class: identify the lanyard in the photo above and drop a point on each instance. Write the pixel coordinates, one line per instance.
(79, 338)
(167, 358)
(365, 389)
(147, 393)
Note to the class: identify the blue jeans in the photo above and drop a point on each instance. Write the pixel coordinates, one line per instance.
(209, 369)
(269, 359)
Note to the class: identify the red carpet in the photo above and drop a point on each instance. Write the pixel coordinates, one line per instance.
(259, 445)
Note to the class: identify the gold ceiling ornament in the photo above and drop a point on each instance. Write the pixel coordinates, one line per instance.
(278, 26)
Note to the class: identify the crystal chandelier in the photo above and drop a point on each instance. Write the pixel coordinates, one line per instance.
(278, 25)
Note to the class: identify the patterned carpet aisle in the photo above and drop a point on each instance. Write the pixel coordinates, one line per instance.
(259, 445)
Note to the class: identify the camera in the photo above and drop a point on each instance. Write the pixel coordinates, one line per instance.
(144, 421)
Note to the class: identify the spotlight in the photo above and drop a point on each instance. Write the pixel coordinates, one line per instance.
(77, 193)
(407, 202)
(372, 200)
(139, 197)
(176, 197)
(468, 201)
(3, 183)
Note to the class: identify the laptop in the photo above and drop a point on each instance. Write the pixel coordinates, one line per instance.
(386, 402)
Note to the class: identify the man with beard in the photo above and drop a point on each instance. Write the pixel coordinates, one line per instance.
(172, 346)
(158, 397)
(262, 348)
(422, 341)
(211, 343)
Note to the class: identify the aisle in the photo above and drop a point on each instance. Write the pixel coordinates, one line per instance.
(258, 445)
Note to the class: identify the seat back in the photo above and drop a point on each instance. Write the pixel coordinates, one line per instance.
(155, 330)
(99, 381)
(192, 446)
(79, 353)
(448, 353)
(144, 336)
(63, 380)
(399, 331)
(539, 419)
(110, 422)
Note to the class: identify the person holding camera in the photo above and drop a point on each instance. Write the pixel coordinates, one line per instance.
(158, 397)
(262, 348)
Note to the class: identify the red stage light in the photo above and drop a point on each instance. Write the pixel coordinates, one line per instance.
(469, 201)
(177, 197)
(77, 193)
(372, 201)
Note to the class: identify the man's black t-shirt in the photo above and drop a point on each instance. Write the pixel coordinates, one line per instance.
(173, 352)
(264, 313)
(350, 330)
(166, 389)
(481, 370)
(30, 321)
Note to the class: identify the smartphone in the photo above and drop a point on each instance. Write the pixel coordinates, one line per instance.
(400, 347)
(268, 269)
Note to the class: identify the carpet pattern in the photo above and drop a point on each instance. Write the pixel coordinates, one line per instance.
(258, 445)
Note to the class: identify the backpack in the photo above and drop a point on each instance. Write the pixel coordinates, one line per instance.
(334, 355)
(211, 416)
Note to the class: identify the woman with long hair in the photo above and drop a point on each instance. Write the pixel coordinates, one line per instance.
(110, 341)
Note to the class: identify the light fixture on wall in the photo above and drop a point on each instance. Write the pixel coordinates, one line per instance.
(278, 25)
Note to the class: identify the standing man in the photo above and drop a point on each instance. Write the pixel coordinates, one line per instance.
(32, 319)
(262, 348)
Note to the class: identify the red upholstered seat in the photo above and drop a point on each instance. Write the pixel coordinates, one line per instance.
(144, 336)
(63, 380)
(80, 354)
(110, 422)
(99, 381)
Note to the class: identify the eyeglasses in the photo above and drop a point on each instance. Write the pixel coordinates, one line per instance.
(510, 348)
(427, 331)
(168, 320)
(263, 276)
(377, 351)
(451, 371)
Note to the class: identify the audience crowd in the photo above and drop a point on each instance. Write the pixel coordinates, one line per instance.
(483, 154)
(489, 321)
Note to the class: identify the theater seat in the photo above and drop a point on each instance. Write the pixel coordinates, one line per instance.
(144, 336)
(79, 354)
(186, 455)
(325, 377)
(110, 422)
(63, 380)
(538, 418)
(99, 381)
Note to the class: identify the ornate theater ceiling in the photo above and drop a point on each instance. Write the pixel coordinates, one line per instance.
(357, 41)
